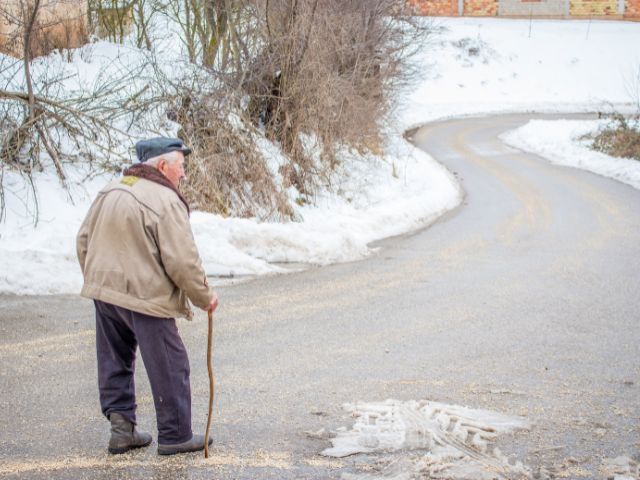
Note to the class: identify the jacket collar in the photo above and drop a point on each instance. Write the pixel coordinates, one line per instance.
(152, 174)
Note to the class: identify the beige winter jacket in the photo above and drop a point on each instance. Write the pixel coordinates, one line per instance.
(136, 250)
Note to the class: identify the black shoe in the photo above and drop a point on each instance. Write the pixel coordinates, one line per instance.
(124, 435)
(196, 443)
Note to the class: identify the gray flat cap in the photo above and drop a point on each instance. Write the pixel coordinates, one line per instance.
(146, 149)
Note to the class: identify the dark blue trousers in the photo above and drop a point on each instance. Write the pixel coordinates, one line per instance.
(118, 332)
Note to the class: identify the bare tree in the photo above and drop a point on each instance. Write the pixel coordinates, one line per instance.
(209, 29)
(113, 19)
(312, 72)
(27, 21)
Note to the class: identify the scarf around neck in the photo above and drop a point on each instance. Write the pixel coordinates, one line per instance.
(152, 174)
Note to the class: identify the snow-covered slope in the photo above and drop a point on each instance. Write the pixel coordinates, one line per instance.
(498, 65)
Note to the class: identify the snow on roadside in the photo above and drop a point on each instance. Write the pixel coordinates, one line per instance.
(42, 260)
(379, 197)
(562, 142)
(372, 204)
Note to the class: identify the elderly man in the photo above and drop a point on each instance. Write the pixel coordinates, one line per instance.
(140, 265)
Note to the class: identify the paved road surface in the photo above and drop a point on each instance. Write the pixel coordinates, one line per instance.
(523, 300)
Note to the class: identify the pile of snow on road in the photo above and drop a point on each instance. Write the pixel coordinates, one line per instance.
(457, 440)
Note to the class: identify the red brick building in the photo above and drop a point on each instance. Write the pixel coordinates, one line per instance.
(628, 9)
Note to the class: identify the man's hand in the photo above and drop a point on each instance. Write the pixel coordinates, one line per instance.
(213, 305)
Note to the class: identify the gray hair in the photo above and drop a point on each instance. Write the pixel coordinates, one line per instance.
(169, 157)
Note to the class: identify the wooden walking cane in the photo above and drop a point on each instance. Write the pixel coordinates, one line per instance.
(211, 385)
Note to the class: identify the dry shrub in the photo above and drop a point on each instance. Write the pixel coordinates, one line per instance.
(621, 139)
(326, 71)
(314, 76)
(226, 173)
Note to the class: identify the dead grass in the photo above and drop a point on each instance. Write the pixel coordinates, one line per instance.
(57, 26)
(621, 138)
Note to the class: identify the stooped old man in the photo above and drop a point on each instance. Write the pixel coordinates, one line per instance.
(141, 266)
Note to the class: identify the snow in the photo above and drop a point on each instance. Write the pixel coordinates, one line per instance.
(496, 65)
(454, 442)
(472, 66)
(42, 259)
(563, 142)
(372, 204)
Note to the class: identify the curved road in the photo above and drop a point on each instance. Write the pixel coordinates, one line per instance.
(524, 300)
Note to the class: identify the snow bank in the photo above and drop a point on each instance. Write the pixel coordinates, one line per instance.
(379, 197)
(42, 259)
(562, 142)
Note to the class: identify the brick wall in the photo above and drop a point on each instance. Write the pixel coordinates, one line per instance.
(481, 8)
(540, 8)
(632, 9)
(437, 8)
(532, 7)
(579, 8)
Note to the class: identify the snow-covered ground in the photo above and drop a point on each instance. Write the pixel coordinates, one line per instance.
(499, 65)
(472, 66)
(563, 142)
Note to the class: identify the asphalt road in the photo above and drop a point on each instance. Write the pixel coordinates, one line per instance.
(524, 300)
